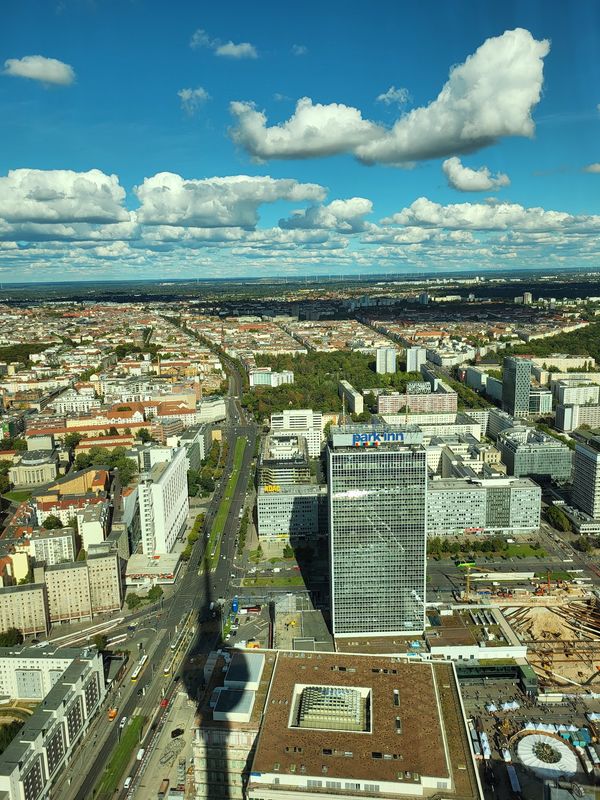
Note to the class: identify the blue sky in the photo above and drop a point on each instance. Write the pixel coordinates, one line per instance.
(402, 138)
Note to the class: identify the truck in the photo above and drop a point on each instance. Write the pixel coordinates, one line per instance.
(163, 789)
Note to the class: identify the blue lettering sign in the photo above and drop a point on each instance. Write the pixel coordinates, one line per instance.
(376, 437)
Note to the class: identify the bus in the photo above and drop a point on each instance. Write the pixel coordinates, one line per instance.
(139, 667)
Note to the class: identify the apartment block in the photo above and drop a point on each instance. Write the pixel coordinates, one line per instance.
(354, 400)
(586, 479)
(164, 504)
(24, 607)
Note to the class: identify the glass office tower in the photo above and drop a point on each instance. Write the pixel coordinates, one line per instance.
(378, 537)
(516, 386)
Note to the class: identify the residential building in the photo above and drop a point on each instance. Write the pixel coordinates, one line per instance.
(92, 523)
(283, 460)
(576, 391)
(164, 505)
(422, 402)
(457, 506)
(570, 417)
(516, 383)
(340, 725)
(196, 442)
(52, 547)
(354, 400)
(586, 478)
(377, 483)
(304, 422)
(294, 513)
(43, 747)
(264, 376)
(385, 360)
(529, 452)
(73, 402)
(104, 575)
(24, 607)
(81, 589)
(415, 358)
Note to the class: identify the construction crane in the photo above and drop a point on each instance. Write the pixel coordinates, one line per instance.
(467, 566)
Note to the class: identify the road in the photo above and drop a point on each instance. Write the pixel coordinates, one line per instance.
(194, 592)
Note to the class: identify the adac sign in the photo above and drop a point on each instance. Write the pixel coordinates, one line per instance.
(375, 438)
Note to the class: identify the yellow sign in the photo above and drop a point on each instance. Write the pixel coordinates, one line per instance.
(272, 489)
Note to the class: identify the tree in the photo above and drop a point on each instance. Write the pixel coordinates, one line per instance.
(52, 523)
(583, 544)
(133, 600)
(144, 435)
(10, 637)
(558, 519)
(155, 594)
(72, 440)
(100, 641)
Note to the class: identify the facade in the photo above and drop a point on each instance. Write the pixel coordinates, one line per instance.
(377, 527)
(417, 403)
(264, 376)
(196, 441)
(283, 460)
(576, 392)
(339, 725)
(385, 360)
(164, 505)
(415, 358)
(586, 479)
(72, 402)
(457, 506)
(294, 513)
(92, 524)
(540, 401)
(304, 422)
(44, 746)
(529, 452)
(104, 575)
(81, 589)
(354, 400)
(516, 383)
(24, 607)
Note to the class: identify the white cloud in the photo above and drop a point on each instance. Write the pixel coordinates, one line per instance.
(344, 216)
(486, 217)
(169, 199)
(192, 99)
(592, 168)
(313, 130)
(489, 96)
(472, 180)
(230, 49)
(394, 96)
(40, 68)
(61, 195)
(299, 49)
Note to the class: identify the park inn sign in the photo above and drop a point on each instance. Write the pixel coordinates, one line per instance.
(375, 438)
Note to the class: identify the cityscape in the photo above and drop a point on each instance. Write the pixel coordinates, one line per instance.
(299, 448)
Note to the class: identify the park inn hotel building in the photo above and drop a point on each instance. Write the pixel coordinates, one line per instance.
(377, 479)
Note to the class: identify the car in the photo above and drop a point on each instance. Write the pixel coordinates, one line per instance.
(176, 732)
(123, 722)
(232, 575)
(296, 568)
(127, 783)
(164, 702)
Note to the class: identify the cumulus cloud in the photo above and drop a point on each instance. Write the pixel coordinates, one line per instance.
(313, 130)
(169, 199)
(472, 180)
(394, 97)
(200, 38)
(592, 168)
(192, 99)
(61, 195)
(486, 217)
(299, 49)
(40, 68)
(343, 216)
(489, 96)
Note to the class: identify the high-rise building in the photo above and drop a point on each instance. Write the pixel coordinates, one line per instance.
(385, 360)
(586, 479)
(301, 421)
(164, 505)
(516, 382)
(377, 521)
(415, 358)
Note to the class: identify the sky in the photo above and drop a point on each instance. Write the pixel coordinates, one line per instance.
(143, 139)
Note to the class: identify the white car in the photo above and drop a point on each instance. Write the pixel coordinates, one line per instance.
(123, 722)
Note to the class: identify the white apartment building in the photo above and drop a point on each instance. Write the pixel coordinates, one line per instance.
(164, 505)
(354, 400)
(576, 392)
(304, 422)
(385, 360)
(264, 376)
(92, 524)
(72, 402)
(52, 547)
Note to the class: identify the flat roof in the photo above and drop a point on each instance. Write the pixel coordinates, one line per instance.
(235, 701)
(425, 738)
(245, 667)
(141, 564)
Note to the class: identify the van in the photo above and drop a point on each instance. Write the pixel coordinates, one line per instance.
(127, 783)
(140, 754)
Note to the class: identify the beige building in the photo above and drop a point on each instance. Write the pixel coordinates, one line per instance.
(24, 607)
(81, 589)
(34, 468)
(105, 582)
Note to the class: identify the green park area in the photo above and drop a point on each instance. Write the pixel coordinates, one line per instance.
(111, 777)
(276, 580)
(213, 546)
(17, 496)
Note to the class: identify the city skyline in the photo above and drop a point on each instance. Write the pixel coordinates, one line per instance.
(206, 145)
